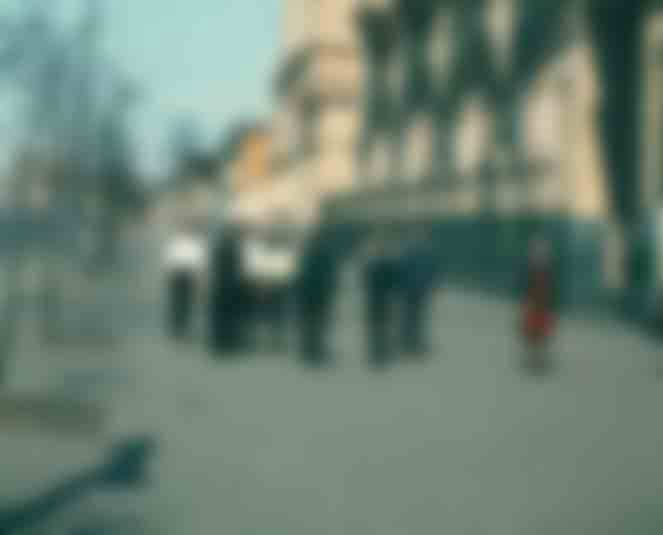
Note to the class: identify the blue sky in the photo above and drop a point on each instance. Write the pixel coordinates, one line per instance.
(213, 59)
(210, 59)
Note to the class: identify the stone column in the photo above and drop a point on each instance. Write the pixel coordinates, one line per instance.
(443, 59)
(396, 80)
(378, 32)
(413, 132)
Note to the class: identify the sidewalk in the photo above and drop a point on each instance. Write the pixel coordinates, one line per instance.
(59, 412)
(461, 445)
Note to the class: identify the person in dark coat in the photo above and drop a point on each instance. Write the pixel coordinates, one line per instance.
(181, 292)
(380, 281)
(226, 293)
(419, 273)
(540, 303)
(277, 302)
(314, 293)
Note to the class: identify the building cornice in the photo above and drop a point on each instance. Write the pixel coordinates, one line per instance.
(378, 28)
(293, 66)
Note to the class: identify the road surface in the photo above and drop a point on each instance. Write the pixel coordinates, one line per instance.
(463, 444)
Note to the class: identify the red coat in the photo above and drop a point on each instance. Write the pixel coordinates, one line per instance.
(538, 309)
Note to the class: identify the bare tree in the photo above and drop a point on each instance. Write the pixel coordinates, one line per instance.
(73, 106)
(23, 66)
(118, 186)
(185, 143)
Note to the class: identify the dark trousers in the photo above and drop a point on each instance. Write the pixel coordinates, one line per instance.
(313, 321)
(276, 313)
(269, 310)
(181, 290)
(262, 308)
(378, 322)
(414, 319)
(224, 325)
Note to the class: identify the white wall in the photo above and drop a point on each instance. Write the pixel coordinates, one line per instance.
(301, 24)
(338, 72)
(339, 127)
(337, 22)
(336, 170)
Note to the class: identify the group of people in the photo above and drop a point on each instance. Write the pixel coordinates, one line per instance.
(399, 273)
(185, 266)
(250, 288)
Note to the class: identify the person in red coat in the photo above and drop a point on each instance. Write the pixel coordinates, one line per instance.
(539, 303)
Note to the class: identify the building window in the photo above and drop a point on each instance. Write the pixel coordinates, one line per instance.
(308, 140)
(441, 50)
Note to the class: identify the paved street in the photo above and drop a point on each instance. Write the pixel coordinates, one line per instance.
(460, 445)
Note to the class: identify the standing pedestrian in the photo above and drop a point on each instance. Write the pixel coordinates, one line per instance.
(251, 290)
(380, 279)
(271, 265)
(226, 299)
(185, 261)
(314, 293)
(418, 275)
(539, 305)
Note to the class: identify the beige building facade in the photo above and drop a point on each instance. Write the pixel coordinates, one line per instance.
(556, 119)
(246, 177)
(400, 110)
(443, 157)
(317, 113)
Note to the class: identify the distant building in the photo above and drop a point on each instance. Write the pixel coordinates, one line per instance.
(479, 118)
(249, 169)
(246, 178)
(486, 120)
(191, 195)
(318, 98)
